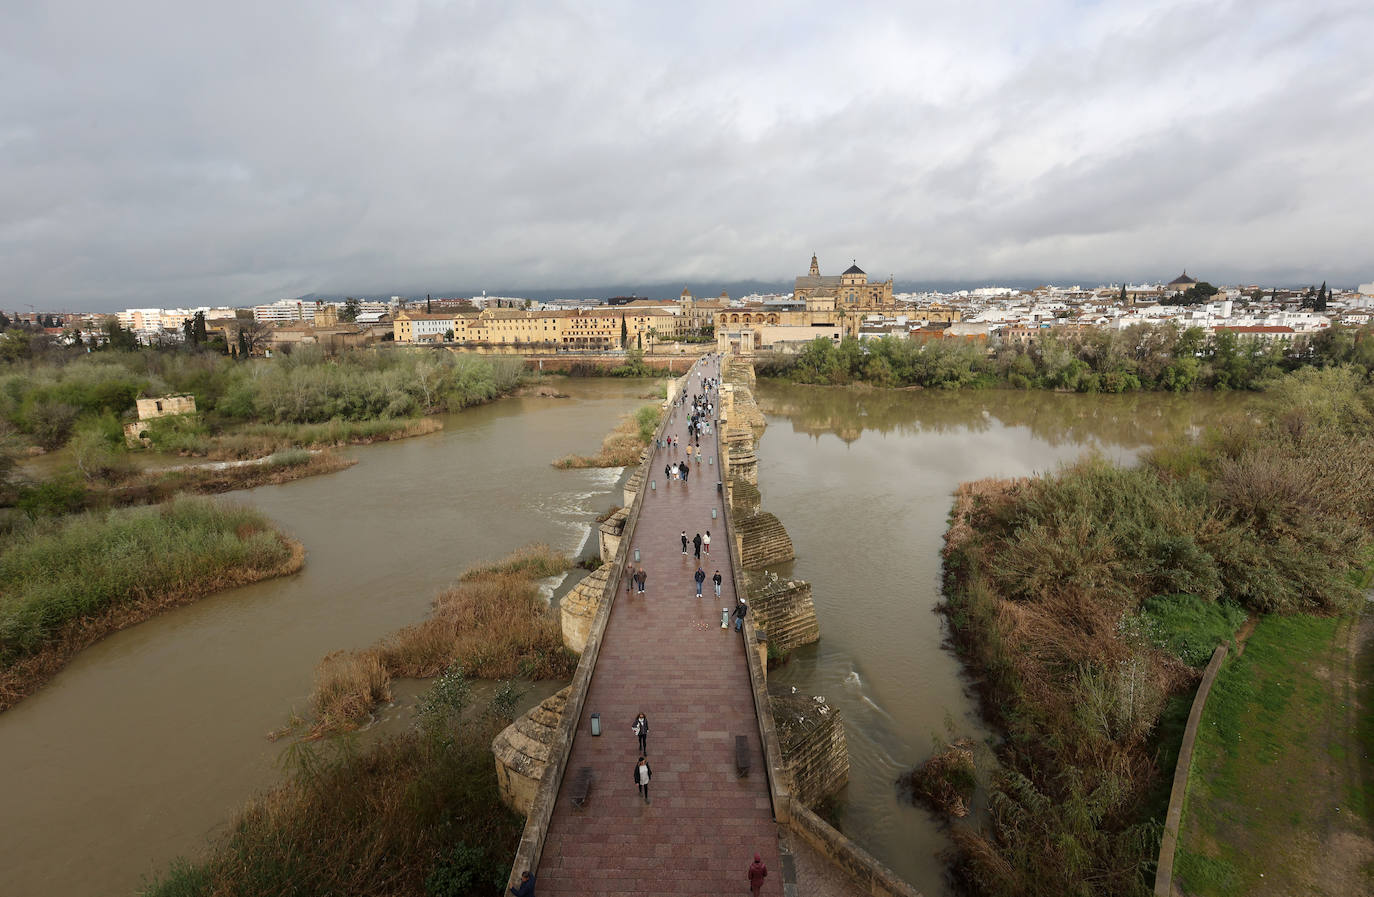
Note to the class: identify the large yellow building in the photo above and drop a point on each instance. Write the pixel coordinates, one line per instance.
(831, 306)
(583, 329)
(848, 290)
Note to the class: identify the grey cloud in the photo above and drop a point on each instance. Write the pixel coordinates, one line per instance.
(161, 153)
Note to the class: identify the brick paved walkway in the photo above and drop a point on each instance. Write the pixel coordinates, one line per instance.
(666, 655)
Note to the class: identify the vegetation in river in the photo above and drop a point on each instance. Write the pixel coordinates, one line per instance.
(1141, 357)
(1063, 598)
(493, 622)
(1280, 767)
(245, 409)
(622, 446)
(946, 781)
(65, 585)
(418, 814)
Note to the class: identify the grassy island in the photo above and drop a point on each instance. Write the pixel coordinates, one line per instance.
(77, 408)
(66, 585)
(493, 622)
(1084, 603)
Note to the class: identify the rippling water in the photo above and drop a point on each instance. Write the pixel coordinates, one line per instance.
(863, 482)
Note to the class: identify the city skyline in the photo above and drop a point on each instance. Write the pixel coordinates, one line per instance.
(238, 153)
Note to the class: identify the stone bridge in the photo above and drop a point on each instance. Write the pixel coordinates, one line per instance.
(664, 653)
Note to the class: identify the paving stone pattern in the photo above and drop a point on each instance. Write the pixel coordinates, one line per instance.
(665, 654)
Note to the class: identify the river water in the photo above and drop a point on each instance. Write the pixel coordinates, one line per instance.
(863, 482)
(144, 747)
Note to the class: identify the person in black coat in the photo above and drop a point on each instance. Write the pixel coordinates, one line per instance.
(526, 886)
(641, 728)
(642, 775)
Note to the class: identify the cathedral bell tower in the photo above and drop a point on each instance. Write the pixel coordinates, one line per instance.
(815, 266)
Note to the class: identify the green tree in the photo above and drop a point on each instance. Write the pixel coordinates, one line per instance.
(1123, 294)
(117, 337)
(350, 310)
(1197, 294)
(624, 333)
(198, 329)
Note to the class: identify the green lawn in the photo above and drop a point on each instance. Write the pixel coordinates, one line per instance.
(1279, 799)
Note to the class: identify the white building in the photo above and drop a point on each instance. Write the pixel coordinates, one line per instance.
(285, 310)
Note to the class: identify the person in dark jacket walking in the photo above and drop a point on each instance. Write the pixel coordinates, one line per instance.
(641, 578)
(700, 577)
(641, 729)
(716, 581)
(526, 886)
(741, 608)
(696, 545)
(756, 874)
(642, 775)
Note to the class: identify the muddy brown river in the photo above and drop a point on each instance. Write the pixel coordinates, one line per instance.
(863, 482)
(144, 747)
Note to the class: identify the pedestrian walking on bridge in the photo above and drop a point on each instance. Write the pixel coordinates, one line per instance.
(641, 729)
(700, 577)
(642, 775)
(756, 874)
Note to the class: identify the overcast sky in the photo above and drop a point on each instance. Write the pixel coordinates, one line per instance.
(175, 152)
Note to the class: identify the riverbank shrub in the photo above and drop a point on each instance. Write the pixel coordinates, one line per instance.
(67, 584)
(1085, 599)
(417, 812)
(1149, 357)
(493, 623)
(46, 400)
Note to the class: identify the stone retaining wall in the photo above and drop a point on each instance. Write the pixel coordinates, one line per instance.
(522, 751)
(763, 540)
(784, 609)
(1164, 872)
(813, 746)
(578, 608)
(860, 865)
(609, 532)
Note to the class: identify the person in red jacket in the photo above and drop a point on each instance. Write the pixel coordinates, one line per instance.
(757, 873)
